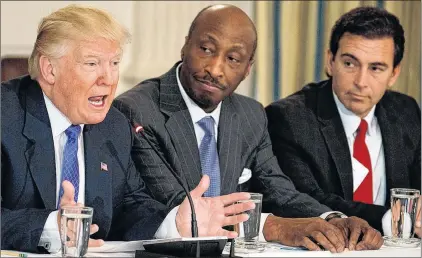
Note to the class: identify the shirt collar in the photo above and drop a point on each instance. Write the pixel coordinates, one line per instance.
(195, 111)
(59, 122)
(351, 121)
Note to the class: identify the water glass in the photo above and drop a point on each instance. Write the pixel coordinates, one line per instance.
(75, 230)
(248, 231)
(404, 208)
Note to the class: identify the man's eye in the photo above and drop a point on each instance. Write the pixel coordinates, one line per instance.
(91, 64)
(348, 64)
(234, 60)
(206, 50)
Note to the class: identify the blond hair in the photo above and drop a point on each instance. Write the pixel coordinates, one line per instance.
(73, 23)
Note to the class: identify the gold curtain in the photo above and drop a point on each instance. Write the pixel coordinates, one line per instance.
(303, 28)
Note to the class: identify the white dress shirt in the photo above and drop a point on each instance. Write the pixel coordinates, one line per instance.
(373, 140)
(50, 237)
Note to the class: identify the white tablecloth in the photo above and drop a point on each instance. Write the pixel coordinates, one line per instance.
(127, 249)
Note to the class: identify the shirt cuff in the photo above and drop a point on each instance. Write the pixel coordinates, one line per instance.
(264, 217)
(386, 224)
(325, 214)
(50, 236)
(168, 228)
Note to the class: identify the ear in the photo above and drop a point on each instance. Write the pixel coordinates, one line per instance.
(394, 75)
(182, 51)
(329, 62)
(47, 69)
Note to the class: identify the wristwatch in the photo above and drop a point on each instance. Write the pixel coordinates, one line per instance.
(334, 215)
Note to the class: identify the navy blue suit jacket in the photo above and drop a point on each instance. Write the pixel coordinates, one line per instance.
(122, 210)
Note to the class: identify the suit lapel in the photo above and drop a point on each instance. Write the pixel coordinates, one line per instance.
(180, 128)
(228, 146)
(39, 152)
(391, 139)
(335, 138)
(98, 180)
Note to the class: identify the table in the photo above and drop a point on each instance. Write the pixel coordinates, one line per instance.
(127, 249)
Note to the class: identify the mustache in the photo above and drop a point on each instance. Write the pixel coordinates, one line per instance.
(211, 81)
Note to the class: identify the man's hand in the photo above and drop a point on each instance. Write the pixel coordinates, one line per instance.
(307, 232)
(354, 227)
(212, 214)
(418, 223)
(69, 200)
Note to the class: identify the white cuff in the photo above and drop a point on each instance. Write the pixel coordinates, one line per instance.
(386, 224)
(261, 226)
(50, 237)
(325, 214)
(168, 228)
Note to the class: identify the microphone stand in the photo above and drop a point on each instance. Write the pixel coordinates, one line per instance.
(194, 225)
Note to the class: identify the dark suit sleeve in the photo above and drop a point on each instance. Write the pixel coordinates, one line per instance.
(280, 196)
(295, 160)
(21, 229)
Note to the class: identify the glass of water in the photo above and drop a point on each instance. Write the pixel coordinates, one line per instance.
(404, 208)
(248, 240)
(75, 230)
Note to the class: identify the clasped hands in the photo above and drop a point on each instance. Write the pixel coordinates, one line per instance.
(316, 234)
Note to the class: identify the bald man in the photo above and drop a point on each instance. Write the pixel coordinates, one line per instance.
(201, 126)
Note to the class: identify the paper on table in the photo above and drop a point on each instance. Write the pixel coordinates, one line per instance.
(117, 246)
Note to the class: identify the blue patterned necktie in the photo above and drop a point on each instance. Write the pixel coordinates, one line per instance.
(70, 166)
(209, 156)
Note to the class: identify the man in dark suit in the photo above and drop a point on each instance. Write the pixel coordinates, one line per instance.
(318, 133)
(201, 127)
(57, 126)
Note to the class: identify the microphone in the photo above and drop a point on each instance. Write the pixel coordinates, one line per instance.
(209, 246)
(194, 225)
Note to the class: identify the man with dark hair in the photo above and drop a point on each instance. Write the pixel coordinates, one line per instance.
(201, 126)
(348, 140)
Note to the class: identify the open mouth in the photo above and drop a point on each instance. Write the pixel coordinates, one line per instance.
(97, 101)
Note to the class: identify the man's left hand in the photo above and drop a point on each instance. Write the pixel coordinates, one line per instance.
(354, 227)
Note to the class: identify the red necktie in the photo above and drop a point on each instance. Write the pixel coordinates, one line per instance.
(360, 152)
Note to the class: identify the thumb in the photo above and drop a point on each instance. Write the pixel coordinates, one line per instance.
(202, 187)
(68, 193)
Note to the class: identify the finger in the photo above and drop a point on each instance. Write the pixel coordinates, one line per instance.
(234, 197)
(238, 208)
(95, 242)
(226, 233)
(233, 220)
(93, 229)
(354, 236)
(336, 237)
(202, 187)
(418, 214)
(310, 245)
(368, 237)
(68, 193)
(323, 241)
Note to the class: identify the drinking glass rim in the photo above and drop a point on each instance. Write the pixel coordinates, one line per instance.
(405, 190)
(78, 208)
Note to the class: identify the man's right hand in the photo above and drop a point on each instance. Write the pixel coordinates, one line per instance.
(68, 199)
(307, 232)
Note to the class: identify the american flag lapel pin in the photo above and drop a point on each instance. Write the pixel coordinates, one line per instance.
(104, 167)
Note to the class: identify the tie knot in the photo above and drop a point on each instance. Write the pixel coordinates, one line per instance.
(363, 127)
(207, 124)
(72, 132)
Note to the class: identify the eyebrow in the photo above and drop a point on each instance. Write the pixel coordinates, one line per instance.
(119, 55)
(236, 46)
(355, 58)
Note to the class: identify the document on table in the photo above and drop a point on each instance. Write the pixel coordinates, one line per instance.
(117, 247)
